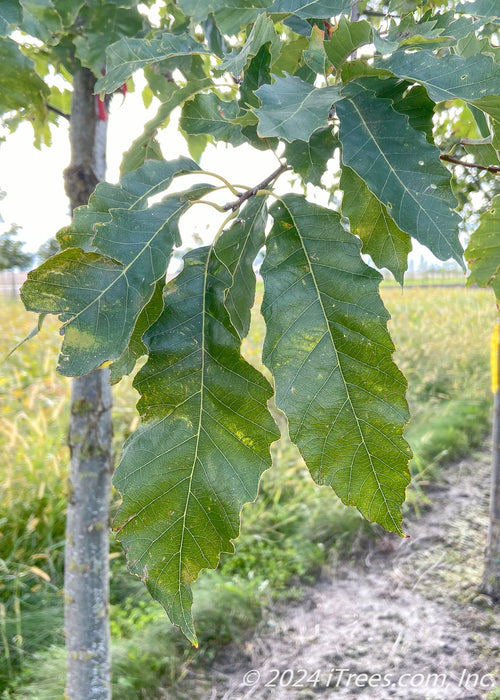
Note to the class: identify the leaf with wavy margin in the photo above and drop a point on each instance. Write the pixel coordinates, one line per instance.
(449, 77)
(262, 33)
(400, 167)
(229, 15)
(292, 109)
(208, 114)
(488, 9)
(346, 38)
(127, 55)
(312, 8)
(237, 248)
(386, 244)
(99, 294)
(309, 158)
(328, 348)
(204, 442)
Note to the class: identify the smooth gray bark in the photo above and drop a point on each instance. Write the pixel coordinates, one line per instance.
(491, 576)
(86, 585)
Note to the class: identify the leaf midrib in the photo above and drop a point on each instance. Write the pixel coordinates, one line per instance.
(323, 310)
(200, 415)
(127, 267)
(392, 170)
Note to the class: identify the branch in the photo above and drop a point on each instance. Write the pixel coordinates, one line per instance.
(57, 111)
(354, 11)
(451, 159)
(253, 191)
(374, 13)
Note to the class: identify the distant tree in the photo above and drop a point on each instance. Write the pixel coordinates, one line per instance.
(12, 255)
(48, 249)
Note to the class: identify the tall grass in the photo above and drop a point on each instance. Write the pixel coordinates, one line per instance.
(442, 338)
(289, 533)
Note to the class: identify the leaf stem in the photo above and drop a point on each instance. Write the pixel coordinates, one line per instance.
(253, 190)
(228, 218)
(451, 159)
(218, 207)
(230, 187)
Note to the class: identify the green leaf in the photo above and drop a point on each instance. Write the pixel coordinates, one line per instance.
(347, 37)
(411, 100)
(369, 219)
(68, 10)
(496, 136)
(106, 24)
(480, 8)
(215, 40)
(135, 349)
(409, 32)
(256, 74)
(99, 295)
(299, 26)
(315, 56)
(208, 114)
(312, 8)
(146, 146)
(483, 251)
(291, 56)
(292, 109)
(328, 348)
(198, 457)
(419, 109)
(490, 105)
(482, 152)
(480, 120)
(237, 248)
(351, 70)
(20, 86)
(471, 45)
(456, 27)
(41, 20)
(400, 167)
(11, 16)
(309, 158)
(126, 56)
(447, 78)
(263, 32)
(80, 233)
(230, 15)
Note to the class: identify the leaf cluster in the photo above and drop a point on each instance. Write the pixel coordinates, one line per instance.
(314, 85)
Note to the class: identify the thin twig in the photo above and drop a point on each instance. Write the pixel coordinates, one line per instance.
(57, 111)
(478, 166)
(253, 191)
(374, 13)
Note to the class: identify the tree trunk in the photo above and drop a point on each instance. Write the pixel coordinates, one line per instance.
(491, 576)
(86, 585)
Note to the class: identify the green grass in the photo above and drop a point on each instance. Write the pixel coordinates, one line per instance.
(291, 531)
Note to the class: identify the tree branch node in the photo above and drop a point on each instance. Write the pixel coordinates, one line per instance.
(253, 190)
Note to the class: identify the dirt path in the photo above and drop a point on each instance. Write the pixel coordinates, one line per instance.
(405, 623)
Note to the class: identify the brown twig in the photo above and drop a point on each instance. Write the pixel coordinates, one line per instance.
(57, 111)
(253, 191)
(451, 159)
